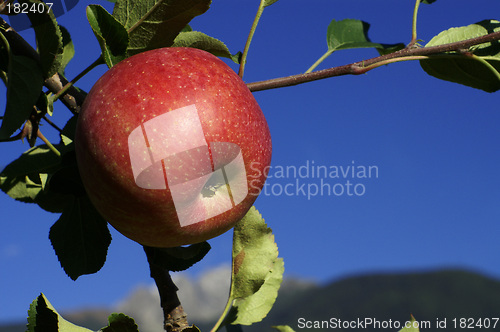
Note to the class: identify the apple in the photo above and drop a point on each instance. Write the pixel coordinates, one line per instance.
(172, 147)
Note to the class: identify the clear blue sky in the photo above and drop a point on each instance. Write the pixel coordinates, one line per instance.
(434, 203)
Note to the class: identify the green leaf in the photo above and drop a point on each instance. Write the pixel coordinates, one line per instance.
(155, 23)
(283, 328)
(413, 327)
(68, 49)
(196, 39)
(44, 105)
(254, 254)
(257, 271)
(80, 238)
(120, 323)
(22, 188)
(480, 71)
(42, 317)
(178, 258)
(39, 159)
(21, 179)
(24, 84)
(428, 1)
(111, 34)
(254, 308)
(390, 48)
(350, 33)
(48, 37)
(25, 179)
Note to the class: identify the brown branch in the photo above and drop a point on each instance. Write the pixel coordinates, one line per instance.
(174, 317)
(361, 67)
(73, 98)
(52, 124)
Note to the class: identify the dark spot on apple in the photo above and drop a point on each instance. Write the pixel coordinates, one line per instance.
(210, 189)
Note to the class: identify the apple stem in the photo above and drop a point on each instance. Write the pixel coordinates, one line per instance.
(175, 319)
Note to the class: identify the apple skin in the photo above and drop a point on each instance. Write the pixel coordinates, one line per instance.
(146, 86)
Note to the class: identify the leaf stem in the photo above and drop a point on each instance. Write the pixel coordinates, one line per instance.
(52, 124)
(217, 325)
(320, 60)
(250, 37)
(413, 40)
(487, 64)
(46, 141)
(68, 85)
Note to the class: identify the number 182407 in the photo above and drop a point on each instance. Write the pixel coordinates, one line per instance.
(29, 8)
(475, 323)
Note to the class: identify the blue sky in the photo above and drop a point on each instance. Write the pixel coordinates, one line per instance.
(434, 201)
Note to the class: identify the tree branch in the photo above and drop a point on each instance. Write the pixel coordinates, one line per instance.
(73, 98)
(362, 67)
(174, 317)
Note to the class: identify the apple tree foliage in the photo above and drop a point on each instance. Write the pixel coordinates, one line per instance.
(47, 174)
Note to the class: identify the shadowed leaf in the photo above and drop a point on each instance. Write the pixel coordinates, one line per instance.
(196, 39)
(111, 34)
(120, 323)
(155, 23)
(351, 33)
(80, 238)
(481, 71)
(177, 258)
(42, 317)
(48, 37)
(24, 84)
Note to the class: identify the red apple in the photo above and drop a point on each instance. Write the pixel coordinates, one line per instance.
(172, 147)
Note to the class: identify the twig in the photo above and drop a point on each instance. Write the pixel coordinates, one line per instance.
(46, 141)
(175, 319)
(362, 67)
(52, 124)
(73, 98)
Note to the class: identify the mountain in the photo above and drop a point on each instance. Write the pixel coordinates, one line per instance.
(203, 299)
(430, 296)
(384, 298)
